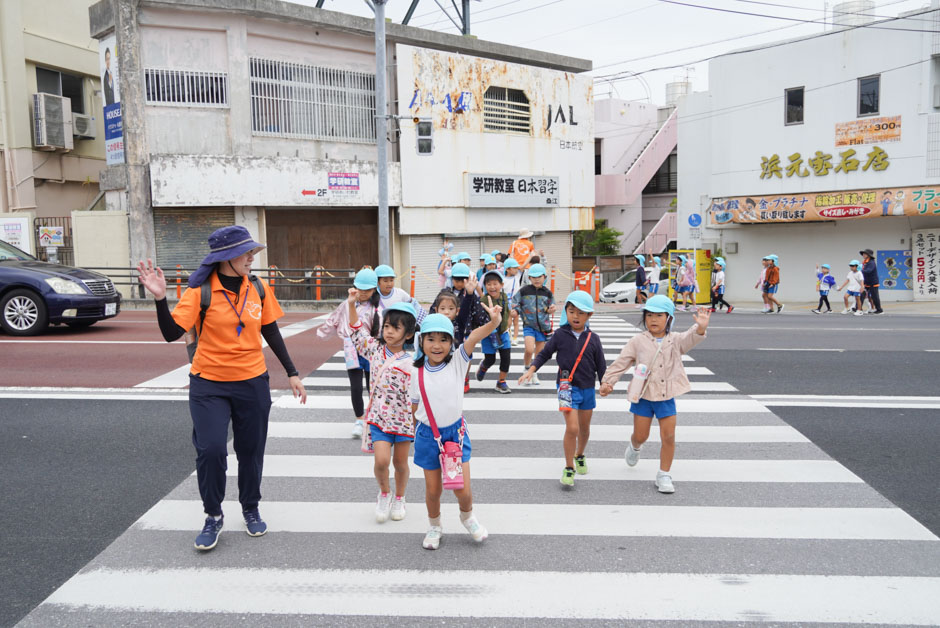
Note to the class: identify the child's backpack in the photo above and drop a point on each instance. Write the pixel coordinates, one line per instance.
(205, 298)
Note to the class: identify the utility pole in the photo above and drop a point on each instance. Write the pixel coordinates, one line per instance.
(381, 130)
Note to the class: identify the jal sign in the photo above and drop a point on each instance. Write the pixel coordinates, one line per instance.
(503, 190)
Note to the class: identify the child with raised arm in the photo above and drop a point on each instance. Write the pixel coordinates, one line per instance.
(824, 283)
(436, 393)
(657, 354)
(388, 416)
(580, 358)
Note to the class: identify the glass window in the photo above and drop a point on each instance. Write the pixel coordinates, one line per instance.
(62, 84)
(47, 81)
(869, 95)
(666, 178)
(794, 105)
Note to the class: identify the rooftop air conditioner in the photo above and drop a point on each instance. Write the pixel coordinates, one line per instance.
(52, 122)
(83, 127)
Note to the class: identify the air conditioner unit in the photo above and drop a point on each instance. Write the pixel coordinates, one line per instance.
(52, 122)
(83, 126)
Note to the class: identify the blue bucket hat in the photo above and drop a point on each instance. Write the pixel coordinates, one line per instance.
(488, 259)
(438, 323)
(494, 273)
(641, 259)
(682, 258)
(511, 263)
(453, 259)
(581, 300)
(463, 255)
(855, 262)
(224, 244)
(460, 271)
(721, 260)
(660, 303)
(495, 252)
(483, 256)
(385, 271)
(537, 270)
(826, 266)
(366, 279)
(658, 261)
(403, 306)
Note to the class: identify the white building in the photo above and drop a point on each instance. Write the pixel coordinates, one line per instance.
(263, 114)
(814, 149)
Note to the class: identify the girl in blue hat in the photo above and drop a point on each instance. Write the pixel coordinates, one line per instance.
(388, 415)
(718, 286)
(357, 367)
(658, 379)
(436, 378)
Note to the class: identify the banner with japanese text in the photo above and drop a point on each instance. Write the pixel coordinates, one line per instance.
(925, 250)
(816, 206)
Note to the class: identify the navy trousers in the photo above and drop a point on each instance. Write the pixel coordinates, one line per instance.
(246, 404)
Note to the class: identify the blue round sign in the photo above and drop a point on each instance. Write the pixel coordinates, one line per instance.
(695, 220)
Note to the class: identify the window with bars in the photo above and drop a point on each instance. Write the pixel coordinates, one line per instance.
(187, 88)
(506, 110)
(311, 102)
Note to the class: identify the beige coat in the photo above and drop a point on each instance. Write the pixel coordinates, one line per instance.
(667, 377)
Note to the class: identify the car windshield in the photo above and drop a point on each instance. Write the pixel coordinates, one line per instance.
(10, 252)
(628, 277)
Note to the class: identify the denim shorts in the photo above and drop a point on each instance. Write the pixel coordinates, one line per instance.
(379, 435)
(658, 409)
(854, 293)
(487, 344)
(770, 289)
(582, 398)
(654, 288)
(720, 290)
(684, 289)
(528, 332)
(426, 450)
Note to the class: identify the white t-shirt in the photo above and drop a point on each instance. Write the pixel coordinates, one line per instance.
(444, 386)
(720, 278)
(512, 284)
(397, 296)
(855, 281)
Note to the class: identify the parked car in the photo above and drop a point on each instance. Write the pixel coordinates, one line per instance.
(35, 294)
(623, 290)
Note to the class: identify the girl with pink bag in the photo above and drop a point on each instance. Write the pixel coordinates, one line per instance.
(389, 427)
(442, 444)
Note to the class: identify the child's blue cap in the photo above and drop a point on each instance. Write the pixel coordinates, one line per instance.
(682, 258)
(483, 256)
(493, 274)
(438, 323)
(660, 303)
(460, 271)
(537, 270)
(384, 271)
(581, 300)
(640, 259)
(855, 262)
(658, 261)
(510, 263)
(403, 306)
(488, 259)
(454, 259)
(463, 255)
(495, 252)
(366, 279)
(826, 266)
(721, 260)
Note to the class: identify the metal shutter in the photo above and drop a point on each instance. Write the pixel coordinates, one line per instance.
(557, 247)
(181, 234)
(423, 251)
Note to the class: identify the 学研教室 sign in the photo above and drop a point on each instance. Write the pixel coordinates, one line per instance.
(503, 190)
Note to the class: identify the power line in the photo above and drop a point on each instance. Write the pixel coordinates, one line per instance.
(649, 6)
(817, 10)
(475, 12)
(499, 17)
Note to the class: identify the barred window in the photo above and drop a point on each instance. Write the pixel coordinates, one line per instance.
(311, 102)
(187, 88)
(506, 110)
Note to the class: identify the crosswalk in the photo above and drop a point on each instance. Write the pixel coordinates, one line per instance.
(764, 527)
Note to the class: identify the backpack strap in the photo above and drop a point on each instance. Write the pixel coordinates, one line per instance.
(259, 287)
(205, 298)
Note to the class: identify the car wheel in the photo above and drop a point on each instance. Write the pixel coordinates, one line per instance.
(80, 324)
(23, 313)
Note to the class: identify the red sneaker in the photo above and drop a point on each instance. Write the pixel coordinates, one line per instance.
(730, 309)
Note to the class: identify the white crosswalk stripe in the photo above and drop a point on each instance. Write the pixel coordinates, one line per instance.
(764, 527)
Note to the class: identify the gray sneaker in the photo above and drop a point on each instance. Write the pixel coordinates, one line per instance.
(432, 540)
(664, 483)
(631, 455)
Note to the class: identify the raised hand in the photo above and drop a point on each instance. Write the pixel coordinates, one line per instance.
(701, 317)
(151, 277)
(472, 284)
(353, 295)
(495, 313)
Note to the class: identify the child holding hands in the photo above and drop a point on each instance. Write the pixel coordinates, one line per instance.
(657, 353)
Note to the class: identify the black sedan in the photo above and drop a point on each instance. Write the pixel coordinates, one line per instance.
(34, 294)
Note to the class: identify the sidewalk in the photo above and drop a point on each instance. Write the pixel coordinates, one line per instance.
(907, 308)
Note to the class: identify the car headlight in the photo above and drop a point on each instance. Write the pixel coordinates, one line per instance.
(65, 286)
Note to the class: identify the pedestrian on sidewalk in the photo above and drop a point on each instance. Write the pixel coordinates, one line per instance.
(657, 354)
(765, 264)
(388, 417)
(230, 311)
(436, 396)
(535, 304)
(853, 286)
(357, 367)
(685, 283)
(642, 282)
(718, 289)
(772, 284)
(580, 363)
(824, 283)
(654, 279)
(498, 340)
(870, 273)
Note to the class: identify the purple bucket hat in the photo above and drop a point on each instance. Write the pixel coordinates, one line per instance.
(224, 244)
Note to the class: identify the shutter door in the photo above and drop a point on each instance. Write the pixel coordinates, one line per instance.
(423, 250)
(181, 234)
(557, 247)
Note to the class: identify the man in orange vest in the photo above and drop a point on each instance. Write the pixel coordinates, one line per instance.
(522, 248)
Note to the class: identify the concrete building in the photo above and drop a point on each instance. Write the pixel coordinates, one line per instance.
(51, 134)
(811, 163)
(262, 113)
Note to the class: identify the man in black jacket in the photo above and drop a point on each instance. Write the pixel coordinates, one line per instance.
(870, 273)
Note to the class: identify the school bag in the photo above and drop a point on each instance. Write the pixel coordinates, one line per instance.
(205, 298)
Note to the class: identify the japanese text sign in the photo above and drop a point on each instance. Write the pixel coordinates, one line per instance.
(496, 190)
(925, 251)
(868, 131)
(821, 164)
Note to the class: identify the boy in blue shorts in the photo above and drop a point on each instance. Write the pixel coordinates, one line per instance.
(580, 357)
(535, 305)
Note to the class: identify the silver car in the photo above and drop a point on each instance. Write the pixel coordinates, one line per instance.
(623, 290)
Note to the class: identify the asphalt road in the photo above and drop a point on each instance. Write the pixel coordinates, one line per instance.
(77, 474)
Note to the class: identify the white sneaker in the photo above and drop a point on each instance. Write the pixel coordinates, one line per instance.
(432, 540)
(357, 429)
(477, 531)
(664, 483)
(846, 311)
(859, 313)
(382, 507)
(398, 509)
(535, 379)
(631, 455)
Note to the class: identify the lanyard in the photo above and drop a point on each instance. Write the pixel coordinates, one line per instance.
(238, 313)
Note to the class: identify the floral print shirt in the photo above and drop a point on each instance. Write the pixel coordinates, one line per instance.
(389, 399)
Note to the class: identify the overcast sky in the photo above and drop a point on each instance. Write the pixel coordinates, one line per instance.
(647, 34)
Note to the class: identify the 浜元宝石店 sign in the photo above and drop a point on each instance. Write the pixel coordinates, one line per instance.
(503, 190)
(816, 206)
(822, 163)
(868, 131)
(925, 251)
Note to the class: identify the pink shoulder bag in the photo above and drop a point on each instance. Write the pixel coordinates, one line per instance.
(451, 453)
(367, 447)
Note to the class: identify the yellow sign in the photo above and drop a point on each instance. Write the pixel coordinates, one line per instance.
(822, 163)
(815, 206)
(703, 273)
(868, 131)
